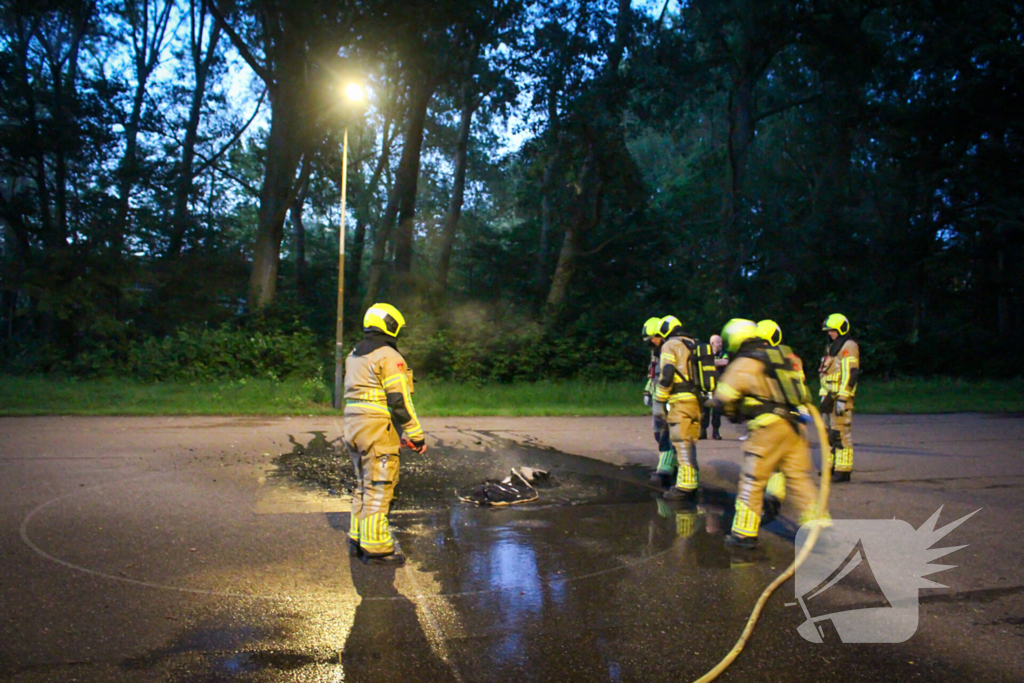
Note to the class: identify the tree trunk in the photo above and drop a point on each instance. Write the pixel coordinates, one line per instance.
(402, 201)
(590, 189)
(741, 135)
(128, 171)
(148, 47)
(299, 229)
(408, 174)
(586, 215)
(548, 186)
(284, 149)
(362, 204)
(451, 219)
(202, 63)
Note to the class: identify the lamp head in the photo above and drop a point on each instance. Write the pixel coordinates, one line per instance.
(354, 92)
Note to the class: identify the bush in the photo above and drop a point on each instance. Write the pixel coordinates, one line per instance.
(200, 354)
(477, 355)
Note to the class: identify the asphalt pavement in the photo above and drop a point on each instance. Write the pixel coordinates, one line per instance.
(213, 549)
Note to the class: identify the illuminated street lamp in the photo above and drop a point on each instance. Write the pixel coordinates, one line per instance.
(353, 95)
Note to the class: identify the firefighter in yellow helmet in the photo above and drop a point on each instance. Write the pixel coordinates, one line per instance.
(675, 401)
(665, 471)
(762, 385)
(775, 490)
(839, 371)
(379, 418)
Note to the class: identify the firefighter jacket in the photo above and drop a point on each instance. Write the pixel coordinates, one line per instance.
(673, 381)
(840, 367)
(378, 382)
(764, 385)
(652, 372)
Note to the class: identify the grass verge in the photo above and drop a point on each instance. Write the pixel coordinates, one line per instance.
(50, 396)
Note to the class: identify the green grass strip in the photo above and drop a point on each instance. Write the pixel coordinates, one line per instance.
(55, 396)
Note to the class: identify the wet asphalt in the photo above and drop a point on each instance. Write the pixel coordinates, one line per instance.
(213, 549)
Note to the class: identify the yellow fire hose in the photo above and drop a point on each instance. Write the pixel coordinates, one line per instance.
(826, 476)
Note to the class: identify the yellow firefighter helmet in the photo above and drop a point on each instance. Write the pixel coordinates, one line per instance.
(837, 322)
(383, 317)
(737, 331)
(770, 331)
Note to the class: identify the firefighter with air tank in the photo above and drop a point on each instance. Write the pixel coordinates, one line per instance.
(676, 402)
(764, 386)
(664, 475)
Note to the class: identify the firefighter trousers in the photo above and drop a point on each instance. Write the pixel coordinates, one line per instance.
(372, 442)
(684, 429)
(775, 446)
(666, 456)
(840, 437)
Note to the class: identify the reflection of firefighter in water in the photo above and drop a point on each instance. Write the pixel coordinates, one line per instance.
(378, 403)
(763, 385)
(839, 370)
(675, 401)
(699, 528)
(666, 469)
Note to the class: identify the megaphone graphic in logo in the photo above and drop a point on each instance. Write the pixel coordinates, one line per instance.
(863, 577)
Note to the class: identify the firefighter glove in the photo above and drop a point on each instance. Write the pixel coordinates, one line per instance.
(659, 410)
(418, 446)
(840, 407)
(647, 399)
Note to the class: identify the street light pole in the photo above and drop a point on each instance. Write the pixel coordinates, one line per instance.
(339, 349)
(354, 95)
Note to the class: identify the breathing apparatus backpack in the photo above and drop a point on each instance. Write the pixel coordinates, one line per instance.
(783, 373)
(701, 368)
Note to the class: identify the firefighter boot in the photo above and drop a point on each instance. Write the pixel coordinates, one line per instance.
(741, 542)
(395, 559)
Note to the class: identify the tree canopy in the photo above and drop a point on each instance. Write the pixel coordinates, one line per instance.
(529, 181)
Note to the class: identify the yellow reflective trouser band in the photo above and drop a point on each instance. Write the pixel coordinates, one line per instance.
(746, 522)
(375, 534)
(776, 487)
(843, 460)
(370, 405)
(666, 462)
(687, 478)
(686, 524)
(353, 528)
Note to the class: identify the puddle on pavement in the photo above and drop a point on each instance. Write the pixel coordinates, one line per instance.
(595, 518)
(498, 577)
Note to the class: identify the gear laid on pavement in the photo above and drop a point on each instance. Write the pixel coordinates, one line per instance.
(518, 487)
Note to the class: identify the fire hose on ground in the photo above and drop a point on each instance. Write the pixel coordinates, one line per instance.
(805, 550)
